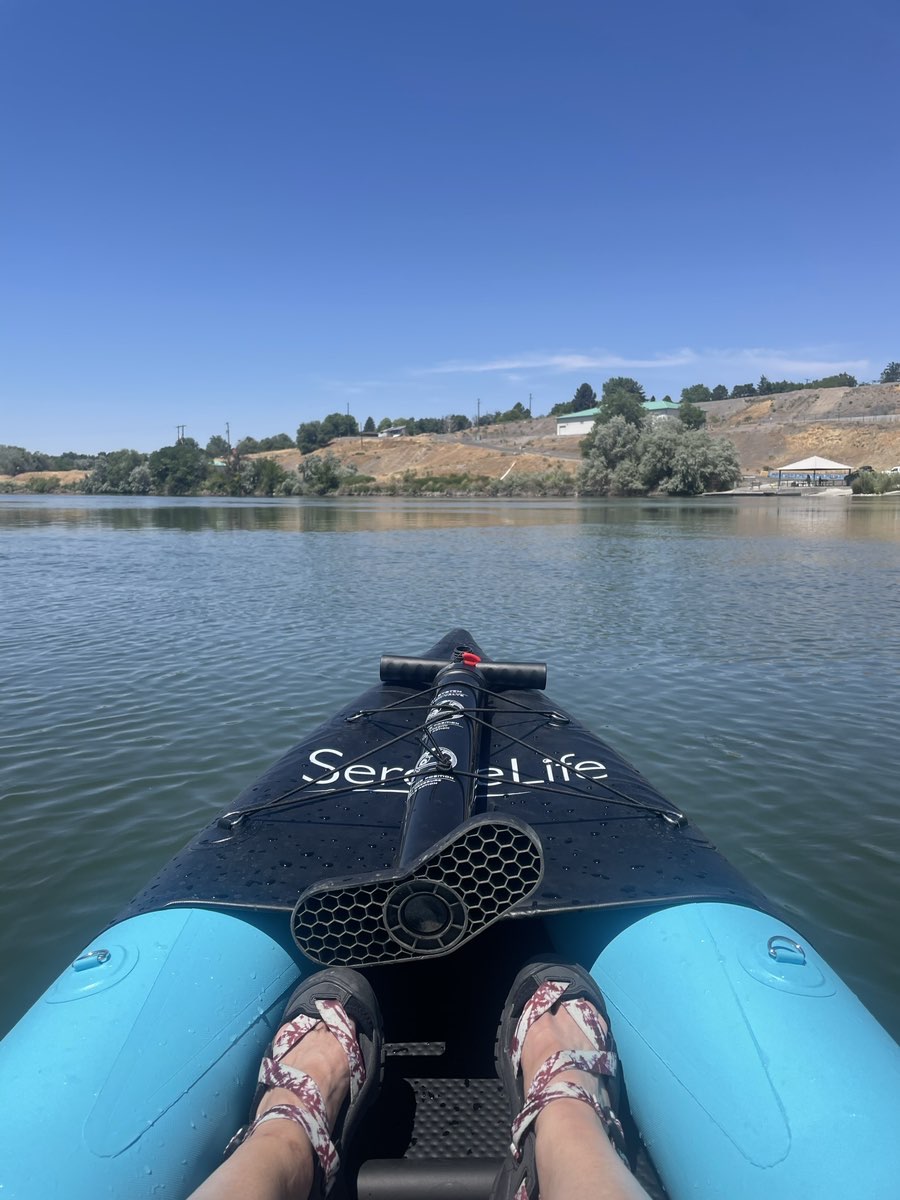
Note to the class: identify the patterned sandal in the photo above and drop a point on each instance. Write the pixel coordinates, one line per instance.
(540, 988)
(339, 998)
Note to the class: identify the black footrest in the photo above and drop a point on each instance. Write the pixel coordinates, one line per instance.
(452, 892)
(426, 1178)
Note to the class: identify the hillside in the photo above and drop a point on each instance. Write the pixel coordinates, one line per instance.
(859, 426)
(851, 425)
(444, 454)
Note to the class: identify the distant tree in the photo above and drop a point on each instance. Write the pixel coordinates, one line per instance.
(310, 436)
(278, 441)
(622, 460)
(369, 426)
(656, 451)
(742, 391)
(622, 383)
(385, 423)
(698, 394)
(247, 445)
(71, 460)
(15, 460)
(140, 481)
(518, 412)
(771, 387)
(217, 447)
(891, 373)
(112, 474)
(840, 380)
(337, 425)
(622, 397)
(610, 453)
(313, 434)
(702, 464)
(320, 475)
(261, 477)
(625, 479)
(585, 397)
(719, 392)
(456, 423)
(178, 470)
(611, 442)
(691, 415)
(667, 399)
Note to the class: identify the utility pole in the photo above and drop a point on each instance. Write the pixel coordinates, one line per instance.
(529, 404)
(478, 421)
(179, 434)
(228, 434)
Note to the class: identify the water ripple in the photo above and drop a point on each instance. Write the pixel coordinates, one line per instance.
(155, 656)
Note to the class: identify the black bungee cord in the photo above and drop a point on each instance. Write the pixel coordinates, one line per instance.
(440, 765)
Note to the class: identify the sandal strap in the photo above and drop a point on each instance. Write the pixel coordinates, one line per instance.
(581, 1011)
(541, 1001)
(312, 1118)
(544, 1091)
(332, 1014)
(310, 1111)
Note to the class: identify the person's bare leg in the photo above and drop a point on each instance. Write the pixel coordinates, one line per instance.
(574, 1157)
(276, 1161)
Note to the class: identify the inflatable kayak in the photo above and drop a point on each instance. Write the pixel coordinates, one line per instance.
(438, 831)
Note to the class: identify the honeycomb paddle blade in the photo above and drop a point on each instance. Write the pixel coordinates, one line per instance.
(452, 892)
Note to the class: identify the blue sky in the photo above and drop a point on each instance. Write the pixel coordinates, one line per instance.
(261, 211)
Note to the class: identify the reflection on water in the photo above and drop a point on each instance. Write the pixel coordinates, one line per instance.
(286, 516)
(766, 517)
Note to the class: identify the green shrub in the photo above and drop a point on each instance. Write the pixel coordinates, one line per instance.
(48, 483)
(875, 483)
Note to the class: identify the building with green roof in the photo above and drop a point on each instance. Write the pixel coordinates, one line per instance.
(579, 424)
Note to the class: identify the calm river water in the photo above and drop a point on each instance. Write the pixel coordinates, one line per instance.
(156, 654)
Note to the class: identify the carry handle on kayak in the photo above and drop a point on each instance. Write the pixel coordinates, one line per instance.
(419, 672)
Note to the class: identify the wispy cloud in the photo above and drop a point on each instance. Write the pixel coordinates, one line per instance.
(755, 360)
(765, 360)
(559, 362)
(352, 387)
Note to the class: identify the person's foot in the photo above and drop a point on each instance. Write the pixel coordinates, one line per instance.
(321, 1056)
(557, 1061)
(550, 1033)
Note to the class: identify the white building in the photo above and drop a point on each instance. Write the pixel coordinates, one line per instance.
(577, 424)
(580, 424)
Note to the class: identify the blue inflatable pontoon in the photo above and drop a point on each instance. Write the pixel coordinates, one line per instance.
(437, 832)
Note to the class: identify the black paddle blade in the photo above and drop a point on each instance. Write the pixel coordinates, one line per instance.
(457, 888)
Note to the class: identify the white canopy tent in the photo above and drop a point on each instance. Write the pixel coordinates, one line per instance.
(812, 468)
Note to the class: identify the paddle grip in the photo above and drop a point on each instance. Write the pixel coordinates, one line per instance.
(419, 672)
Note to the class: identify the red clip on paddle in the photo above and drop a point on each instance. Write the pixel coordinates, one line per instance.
(470, 659)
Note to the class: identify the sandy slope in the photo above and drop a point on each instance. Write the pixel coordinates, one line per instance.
(858, 426)
(27, 476)
(433, 454)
